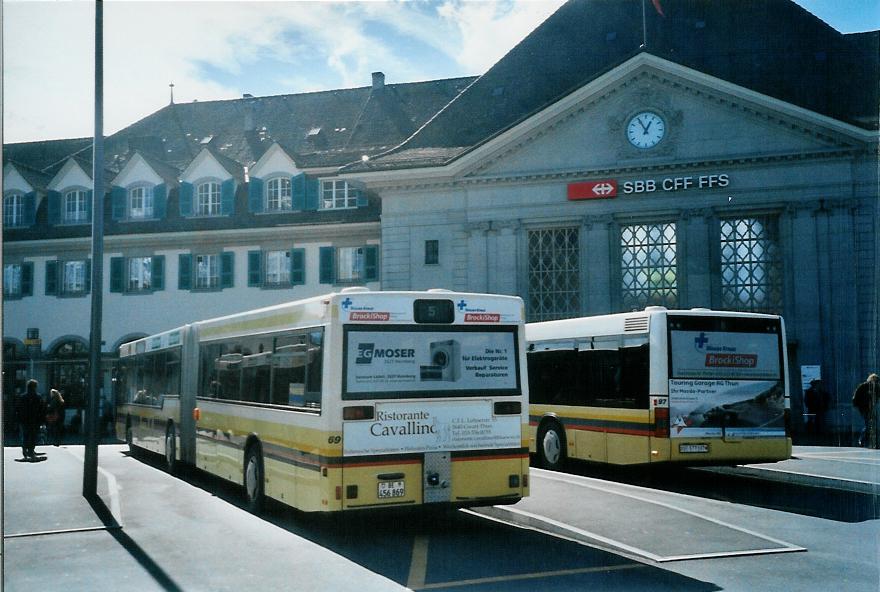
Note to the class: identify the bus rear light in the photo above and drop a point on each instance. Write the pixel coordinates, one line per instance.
(358, 412)
(508, 408)
(351, 492)
(661, 422)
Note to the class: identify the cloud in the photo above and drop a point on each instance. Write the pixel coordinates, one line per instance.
(215, 50)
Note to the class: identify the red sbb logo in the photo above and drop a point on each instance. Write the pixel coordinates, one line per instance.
(482, 317)
(592, 190)
(370, 316)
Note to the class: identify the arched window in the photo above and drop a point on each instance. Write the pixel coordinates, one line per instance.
(278, 194)
(208, 199)
(140, 202)
(75, 206)
(13, 210)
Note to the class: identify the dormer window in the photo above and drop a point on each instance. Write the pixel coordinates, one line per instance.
(337, 195)
(76, 206)
(208, 199)
(140, 202)
(278, 196)
(13, 210)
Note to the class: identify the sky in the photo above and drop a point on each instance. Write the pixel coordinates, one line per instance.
(214, 50)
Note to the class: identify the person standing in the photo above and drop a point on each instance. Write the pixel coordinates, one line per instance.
(816, 399)
(865, 400)
(31, 413)
(55, 417)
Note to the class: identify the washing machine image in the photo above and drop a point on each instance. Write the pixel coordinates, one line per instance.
(445, 361)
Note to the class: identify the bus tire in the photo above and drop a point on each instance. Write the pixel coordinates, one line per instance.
(254, 479)
(171, 448)
(551, 446)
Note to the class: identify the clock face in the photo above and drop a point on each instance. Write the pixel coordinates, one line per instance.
(645, 130)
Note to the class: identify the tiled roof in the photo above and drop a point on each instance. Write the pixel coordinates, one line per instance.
(771, 46)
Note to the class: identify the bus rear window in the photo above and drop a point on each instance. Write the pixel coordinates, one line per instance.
(397, 362)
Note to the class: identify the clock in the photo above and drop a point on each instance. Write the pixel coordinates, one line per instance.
(645, 130)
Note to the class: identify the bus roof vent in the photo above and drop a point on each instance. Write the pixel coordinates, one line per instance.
(354, 290)
(442, 290)
(635, 324)
(701, 309)
(654, 308)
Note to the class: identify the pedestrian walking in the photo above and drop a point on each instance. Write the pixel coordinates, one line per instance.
(865, 400)
(55, 417)
(31, 413)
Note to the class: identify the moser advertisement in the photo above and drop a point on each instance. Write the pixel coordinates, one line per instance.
(730, 408)
(422, 361)
(420, 427)
(716, 354)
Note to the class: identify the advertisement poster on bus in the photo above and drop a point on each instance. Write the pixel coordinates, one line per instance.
(731, 355)
(425, 427)
(728, 408)
(430, 361)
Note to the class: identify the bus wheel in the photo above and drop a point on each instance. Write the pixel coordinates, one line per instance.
(253, 479)
(171, 448)
(551, 446)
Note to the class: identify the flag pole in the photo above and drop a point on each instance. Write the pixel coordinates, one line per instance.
(644, 28)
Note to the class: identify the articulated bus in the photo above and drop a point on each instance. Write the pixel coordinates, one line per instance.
(350, 400)
(675, 386)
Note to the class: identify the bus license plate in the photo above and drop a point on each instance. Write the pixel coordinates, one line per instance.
(389, 489)
(690, 448)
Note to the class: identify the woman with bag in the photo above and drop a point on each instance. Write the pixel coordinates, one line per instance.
(55, 417)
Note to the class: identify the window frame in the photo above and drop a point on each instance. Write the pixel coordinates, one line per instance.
(770, 263)
(9, 282)
(670, 291)
(211, 286)
(359, 272)
(127, 277)
(432, 252)
(348, 199)
(276, 185)
(80, 214)
(284, 271)
(13, 215)
(147, 210)
(212, 207)
(63, 280)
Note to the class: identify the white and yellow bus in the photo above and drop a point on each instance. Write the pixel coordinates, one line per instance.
(689, 387)
(350, 400)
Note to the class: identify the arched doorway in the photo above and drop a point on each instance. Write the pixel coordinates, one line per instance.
(68, 370)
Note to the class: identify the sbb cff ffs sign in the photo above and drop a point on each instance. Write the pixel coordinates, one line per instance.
(592, 189)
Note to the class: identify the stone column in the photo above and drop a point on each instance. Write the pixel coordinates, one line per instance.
(477, 259)
(697, 249)
(504, 260)
(597, 258)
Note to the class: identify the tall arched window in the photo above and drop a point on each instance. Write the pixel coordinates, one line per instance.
(278, 194)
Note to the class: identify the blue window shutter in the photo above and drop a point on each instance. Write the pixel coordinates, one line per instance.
(27, 279)
(255, 195)
(313, 187)
(362, 199)
(327, 267)
(117, 196)
(297, 267)
(185, 199)
(157, 273)
(88, 276)
(227, 197)
(29, 208)
(90, 196)
(371, 263)
(227, 269)
(255, 271)
(160, 201)
(51, 278)
(298, 191)
(117, 274)
(54, 198)
(184, 272)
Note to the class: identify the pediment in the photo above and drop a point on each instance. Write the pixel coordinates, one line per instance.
(274, 160)
(204, 166)
(14, 181)
(137, 170)
(705, 120)
(70, 175)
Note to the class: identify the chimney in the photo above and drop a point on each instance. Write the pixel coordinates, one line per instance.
(378, 80)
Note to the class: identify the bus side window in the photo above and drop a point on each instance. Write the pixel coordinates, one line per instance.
(315, 368)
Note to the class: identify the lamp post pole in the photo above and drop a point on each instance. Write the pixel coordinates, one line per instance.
(90, 466)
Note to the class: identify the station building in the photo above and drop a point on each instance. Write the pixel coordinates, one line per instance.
(718, 154)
